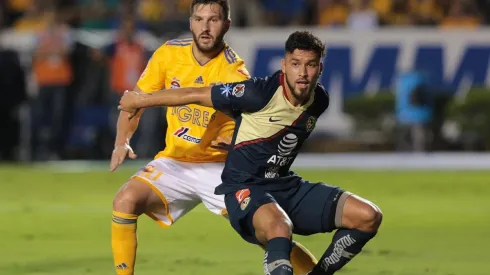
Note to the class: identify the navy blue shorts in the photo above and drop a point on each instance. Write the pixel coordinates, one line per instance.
(310, 206)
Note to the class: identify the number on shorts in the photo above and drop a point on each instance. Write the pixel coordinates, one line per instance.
(151, 173)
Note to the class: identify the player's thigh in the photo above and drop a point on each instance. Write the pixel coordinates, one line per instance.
(172, 184)
(313, 208)
(271, 221)
(207, 177)
(243, 206)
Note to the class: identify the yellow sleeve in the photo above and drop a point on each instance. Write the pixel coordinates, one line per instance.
(153, 77)
(237, 73)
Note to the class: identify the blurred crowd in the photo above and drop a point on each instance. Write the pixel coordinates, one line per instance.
(163, 16)
(366, 14)
(69, 87)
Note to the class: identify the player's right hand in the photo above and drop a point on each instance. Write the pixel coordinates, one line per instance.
(119, 155)
(129, 101)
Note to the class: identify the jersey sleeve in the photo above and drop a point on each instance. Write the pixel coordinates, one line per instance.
(239, 97)
(237, 72)
(153, 77)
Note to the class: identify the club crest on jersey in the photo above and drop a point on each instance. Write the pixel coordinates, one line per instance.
(244, 203)
(175, 83)
(238, 90)
(182, 133)
(310, 124)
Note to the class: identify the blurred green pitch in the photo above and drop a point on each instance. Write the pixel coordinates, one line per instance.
(435, 223)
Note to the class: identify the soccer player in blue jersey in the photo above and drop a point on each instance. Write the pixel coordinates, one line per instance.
(266, 201)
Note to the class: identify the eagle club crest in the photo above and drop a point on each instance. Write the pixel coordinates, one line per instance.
(310, 124)
(238, 90)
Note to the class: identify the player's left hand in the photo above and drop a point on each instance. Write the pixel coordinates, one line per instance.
(129, 103)
(119, 154)
(222, 143)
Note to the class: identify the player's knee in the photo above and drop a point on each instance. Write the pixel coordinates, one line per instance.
(124, 202)
(370, 217)
(131, 198)
(361, 214)
(279, 228)
(270, 222)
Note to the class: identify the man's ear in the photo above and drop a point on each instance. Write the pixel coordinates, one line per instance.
(227, 25)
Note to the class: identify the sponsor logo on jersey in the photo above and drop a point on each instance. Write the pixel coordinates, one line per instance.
(242, 194)
(287, 144)
(182, 133)
(243, 198)
(272, 172)
(285, 147)
(199, 80)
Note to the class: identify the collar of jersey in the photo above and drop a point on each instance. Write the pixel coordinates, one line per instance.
(210, 62)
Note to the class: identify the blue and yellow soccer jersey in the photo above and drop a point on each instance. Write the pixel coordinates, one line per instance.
(192, 128)
(268, 134)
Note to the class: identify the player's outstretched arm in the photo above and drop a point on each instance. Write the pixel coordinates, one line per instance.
(133, 100)
(231, 98)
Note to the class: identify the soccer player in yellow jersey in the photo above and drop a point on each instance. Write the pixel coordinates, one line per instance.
(187, 171)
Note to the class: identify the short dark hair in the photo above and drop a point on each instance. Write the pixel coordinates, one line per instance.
(222, 3)
(305, 40)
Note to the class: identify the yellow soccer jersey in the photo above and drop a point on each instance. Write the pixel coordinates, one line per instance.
(192, 128)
